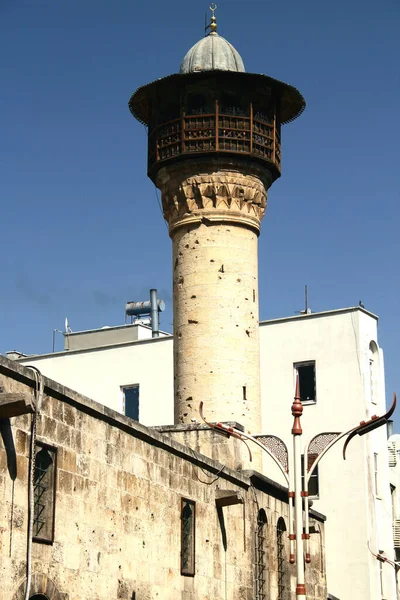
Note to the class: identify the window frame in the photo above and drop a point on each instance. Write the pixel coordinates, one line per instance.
(188, 571)
(37, 538)
(376, 474)
(373, 363)
(282, 574)
(130, 386)
(306, 363)
(314, 476)
(261, 563)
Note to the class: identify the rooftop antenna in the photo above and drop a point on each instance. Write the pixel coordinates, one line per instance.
(307, 310)
(306, 298)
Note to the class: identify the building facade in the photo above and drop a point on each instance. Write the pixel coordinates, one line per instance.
(129, 504)
(122, 511)
(337, 355)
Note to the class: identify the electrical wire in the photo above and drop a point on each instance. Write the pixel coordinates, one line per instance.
(217, 475)
(31, 484)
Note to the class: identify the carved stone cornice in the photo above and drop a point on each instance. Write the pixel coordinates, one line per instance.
(195, 195)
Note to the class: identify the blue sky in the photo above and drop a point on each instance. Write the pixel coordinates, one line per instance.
(80, 226)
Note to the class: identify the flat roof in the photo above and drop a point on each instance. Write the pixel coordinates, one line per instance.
(111, 328)
(168, 336)
(324, 313)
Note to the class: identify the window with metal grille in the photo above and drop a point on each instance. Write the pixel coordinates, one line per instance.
(261, 556)
(306, 374)
(188, 518)
(44, 493)
(313, 483)
(283, 584)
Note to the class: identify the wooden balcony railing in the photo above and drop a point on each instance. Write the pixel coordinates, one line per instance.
(216, 132)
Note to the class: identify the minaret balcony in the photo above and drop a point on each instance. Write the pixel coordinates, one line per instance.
(253, 135)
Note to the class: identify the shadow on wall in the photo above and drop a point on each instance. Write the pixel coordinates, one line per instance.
(8, 441)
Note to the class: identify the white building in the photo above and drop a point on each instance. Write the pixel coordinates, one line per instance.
(340, 366)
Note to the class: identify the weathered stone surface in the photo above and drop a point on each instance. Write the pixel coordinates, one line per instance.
(15, 404)
(214, 209)
(118, 521)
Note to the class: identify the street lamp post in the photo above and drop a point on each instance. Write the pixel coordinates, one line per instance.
(316, 448)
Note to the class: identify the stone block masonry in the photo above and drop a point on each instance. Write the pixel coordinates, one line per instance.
(214, 213)
(119, 488)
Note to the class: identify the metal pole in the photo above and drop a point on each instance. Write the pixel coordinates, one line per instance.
(297, 411)
(154, 314)
(54, 337)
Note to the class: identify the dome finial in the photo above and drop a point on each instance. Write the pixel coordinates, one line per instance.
(213, 25)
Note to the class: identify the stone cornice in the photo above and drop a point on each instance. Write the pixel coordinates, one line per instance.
(213, 194)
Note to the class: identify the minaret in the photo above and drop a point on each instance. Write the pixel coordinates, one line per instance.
(213, 151)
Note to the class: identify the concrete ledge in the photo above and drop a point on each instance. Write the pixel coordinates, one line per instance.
(14, 405)
(193, 427)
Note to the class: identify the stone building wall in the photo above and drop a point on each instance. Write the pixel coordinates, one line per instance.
(119, 487)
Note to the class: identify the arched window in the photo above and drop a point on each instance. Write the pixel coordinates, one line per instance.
(283, 575)
(261, 556)
(373, 372)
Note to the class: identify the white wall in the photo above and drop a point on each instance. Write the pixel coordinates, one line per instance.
(100, 373)
(339, 343)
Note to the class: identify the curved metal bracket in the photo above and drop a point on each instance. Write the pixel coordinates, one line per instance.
(225, 430)
(367, 426)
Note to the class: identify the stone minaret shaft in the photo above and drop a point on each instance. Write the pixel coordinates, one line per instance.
(214, 211)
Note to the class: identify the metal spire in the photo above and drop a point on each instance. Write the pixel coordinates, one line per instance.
(213, 25)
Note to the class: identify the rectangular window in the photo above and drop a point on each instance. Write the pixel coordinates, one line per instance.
(131, 401)
(313, 484)
(188, 518)
(44, 493)
(371, 380)
(306, 374)
(376, 478)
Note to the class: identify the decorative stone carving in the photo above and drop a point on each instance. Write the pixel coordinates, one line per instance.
(217, 195)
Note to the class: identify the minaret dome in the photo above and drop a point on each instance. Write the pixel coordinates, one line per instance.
(212, 53)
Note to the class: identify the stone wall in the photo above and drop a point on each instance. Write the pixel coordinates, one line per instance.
(118, 503)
